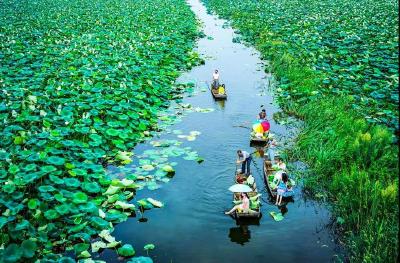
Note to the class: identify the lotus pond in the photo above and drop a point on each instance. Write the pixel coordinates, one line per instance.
(352, 46)
(81, 83)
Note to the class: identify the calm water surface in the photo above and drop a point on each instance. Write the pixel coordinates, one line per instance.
(192, 226)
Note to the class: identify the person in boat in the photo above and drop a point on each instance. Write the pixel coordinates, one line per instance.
(262, 115)
(251, 182)
(221, 89)
(244, 158)
(271, 150)
(282, 188)
(281, 169)
(244, 206)
(215, 83)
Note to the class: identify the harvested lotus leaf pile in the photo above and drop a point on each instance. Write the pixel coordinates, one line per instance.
(81, 83)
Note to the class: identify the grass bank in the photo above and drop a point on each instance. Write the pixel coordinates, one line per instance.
(330, 73)
(81, 83)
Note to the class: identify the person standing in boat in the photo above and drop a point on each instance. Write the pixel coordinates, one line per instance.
(271, 150)
(244, 158)
(215, 84)
(262, 116)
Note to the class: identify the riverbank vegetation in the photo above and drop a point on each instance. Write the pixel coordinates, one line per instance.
(337, 64)
(81, 84)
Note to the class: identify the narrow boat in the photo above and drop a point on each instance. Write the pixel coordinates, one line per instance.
(254, 197)
(269, 172)
(217, 95)
(258, 141)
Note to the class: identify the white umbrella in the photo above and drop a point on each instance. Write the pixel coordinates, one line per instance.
(240, 188)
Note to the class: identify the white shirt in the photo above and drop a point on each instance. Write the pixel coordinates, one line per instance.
(245, 156)
(215, 76)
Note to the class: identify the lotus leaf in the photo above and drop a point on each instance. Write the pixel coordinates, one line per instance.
(126, 250)
(154, 202)
(112, 190)
(12, 253)
(124, 205)
(79, 198)
(149, 247)
(140, 260)
(28, 248)
(51, 214)
(96, 246)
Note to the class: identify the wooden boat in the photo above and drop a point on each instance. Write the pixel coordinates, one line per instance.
(258, 141)
(268, 179)
(255, 212)
(218, 96)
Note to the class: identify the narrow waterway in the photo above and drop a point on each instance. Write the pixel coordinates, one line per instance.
(192, 227)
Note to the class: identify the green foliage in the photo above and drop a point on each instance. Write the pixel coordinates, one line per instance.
(337, 66)
(352, 46)
(82, 82)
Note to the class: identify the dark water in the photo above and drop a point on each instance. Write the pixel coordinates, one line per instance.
(192, 226)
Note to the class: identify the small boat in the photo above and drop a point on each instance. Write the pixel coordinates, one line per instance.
(217, 95)
(254, 197)
(258, 141)
(269, 172)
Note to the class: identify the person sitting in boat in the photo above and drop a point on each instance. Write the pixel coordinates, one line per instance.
(282, 188)
(244, 158)
(221, 89)
(251, 182)
(244, 206)
(215, 83)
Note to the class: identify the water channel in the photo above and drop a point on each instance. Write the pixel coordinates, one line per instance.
(192, 227)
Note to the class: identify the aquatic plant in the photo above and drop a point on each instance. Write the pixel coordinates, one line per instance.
(337, 67)
(81, 84)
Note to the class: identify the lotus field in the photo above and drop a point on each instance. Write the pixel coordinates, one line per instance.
(81, 83)
(337, 64)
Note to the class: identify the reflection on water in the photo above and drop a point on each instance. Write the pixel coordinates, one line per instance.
(240, 234)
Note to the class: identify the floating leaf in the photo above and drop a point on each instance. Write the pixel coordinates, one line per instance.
(149, 247)
(140, 260)
(155, 202)
(276, 216)
(126, 250)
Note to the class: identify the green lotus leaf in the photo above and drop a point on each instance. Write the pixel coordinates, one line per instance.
(55, 160)
(79, 198)
(62, 209)
(140, 260)
(3, 221)
(66, 260)
(99, 223)
(91, 187)
(80, 247)
(12, 253)
(51, 214)
(9, 188)
(112, 132)
(112, 190)
(30, 167)
(24, 224)
(149, 247)
(72, 182)
(13, 169)
(33, 203)
(126, 251)
(48, 168)
(84, 254)
(47, 188)
(28, 248)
